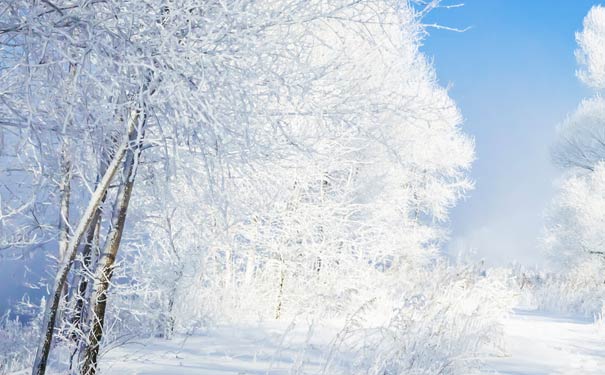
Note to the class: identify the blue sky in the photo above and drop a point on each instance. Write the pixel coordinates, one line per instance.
(513, 75)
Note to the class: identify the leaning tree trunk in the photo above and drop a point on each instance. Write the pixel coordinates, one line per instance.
(52, 307)
(81, 279)
(65, 193)
(104, 271)
(81, 292)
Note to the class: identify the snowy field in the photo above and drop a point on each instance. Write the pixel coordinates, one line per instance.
(535, 344)
(224, 351)
(540, 344)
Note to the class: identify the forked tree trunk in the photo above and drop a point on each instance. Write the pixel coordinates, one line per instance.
(81, 292)
(81, 280)
(50, 313)
(104, 270)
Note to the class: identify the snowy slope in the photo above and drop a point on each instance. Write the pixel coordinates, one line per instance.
(539, 344)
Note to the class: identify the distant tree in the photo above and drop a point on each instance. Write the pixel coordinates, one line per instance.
(574, 231)
(580, 143)
(591, 51)
(581, 138)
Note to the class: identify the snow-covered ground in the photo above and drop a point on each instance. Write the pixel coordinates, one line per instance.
(224, 351)
(536, 344)
(540, 344)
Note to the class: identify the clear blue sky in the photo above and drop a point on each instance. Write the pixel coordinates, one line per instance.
(513, 76)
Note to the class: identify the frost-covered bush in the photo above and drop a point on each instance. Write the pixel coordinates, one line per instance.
(18, 343)
(444, 324)
(577, 290)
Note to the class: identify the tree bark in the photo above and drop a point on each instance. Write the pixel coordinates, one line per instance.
(92, 236)
(52, 306)
(104, 271)
(81, 282)
(65, 193)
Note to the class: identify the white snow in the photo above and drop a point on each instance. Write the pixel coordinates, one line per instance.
(224, 351)
(539, 343)
(536, 343)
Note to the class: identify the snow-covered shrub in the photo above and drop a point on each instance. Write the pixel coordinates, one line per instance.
(446, 323)
(18, 342)
(578, 290)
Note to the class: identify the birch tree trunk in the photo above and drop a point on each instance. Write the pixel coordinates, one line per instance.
(81, 280)
(52, 307)
(65, 193)
(104, 270)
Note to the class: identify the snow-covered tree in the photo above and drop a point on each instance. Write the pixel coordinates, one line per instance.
(575, 240)
(291, 158)
(591, 51)
(573, 235)
(580, 143)
(345, 224)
